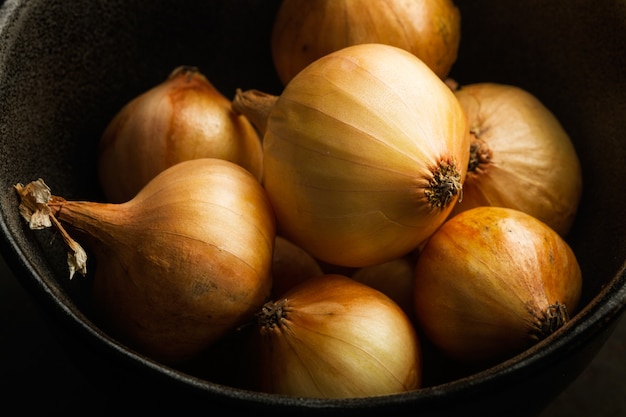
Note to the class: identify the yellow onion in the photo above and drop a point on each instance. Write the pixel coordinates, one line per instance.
(291, 265)
(180, 264)
(333, 337)
(304, 31)
(493, 281)
(521, 157)
(393, 278)
(365, 153)
(184, 117)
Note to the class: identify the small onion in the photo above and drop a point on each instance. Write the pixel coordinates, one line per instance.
(291, 265)
(184, 117)
(365, 154)
(179, 265)
(393, 278)
(333, 337)
(521, 157)
(304, 31)
(493, 281)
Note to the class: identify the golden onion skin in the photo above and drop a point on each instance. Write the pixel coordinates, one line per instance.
(352, 145)
(290, 266)
(523, 157)
(182, 263)
(333, 337)
(393, 278)
(183, 117)
(307, 30)
(493, 281)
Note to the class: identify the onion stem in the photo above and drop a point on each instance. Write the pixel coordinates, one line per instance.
(256, 106)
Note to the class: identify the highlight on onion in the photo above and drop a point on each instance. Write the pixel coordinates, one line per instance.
(365, 154)
(521, 157)
(333, 337)
(492, 282)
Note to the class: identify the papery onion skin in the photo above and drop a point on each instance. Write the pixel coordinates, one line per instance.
(354, 151)
(523, 157)
(393, 278)
(184, 261)
(333, 337)
(184, 117)
(291, 265)
(493, 281)
(307, 30)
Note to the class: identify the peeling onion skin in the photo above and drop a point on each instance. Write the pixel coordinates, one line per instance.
(184, 117)
(333, 337)
(525, 160)
(307, 30)
(354, 145)
(493, 281)
(183, 262)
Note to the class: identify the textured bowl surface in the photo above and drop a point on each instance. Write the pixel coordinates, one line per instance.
(67, 67)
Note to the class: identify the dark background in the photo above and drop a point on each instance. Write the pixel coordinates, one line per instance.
(36, 373)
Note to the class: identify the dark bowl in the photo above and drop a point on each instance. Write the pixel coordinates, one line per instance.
(67, 66)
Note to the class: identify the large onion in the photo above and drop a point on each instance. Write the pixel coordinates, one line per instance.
(307, 30)
(521, 156)
(493, 281)
(365, 154)
(334, 337)
(179, 265)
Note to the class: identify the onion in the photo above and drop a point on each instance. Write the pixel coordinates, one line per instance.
(521, 157)
(333, 337)
(393, 278)
(184, 117)
(179, 265)
(493, 281)
(365, 154)
(291, 265)
(307, 30)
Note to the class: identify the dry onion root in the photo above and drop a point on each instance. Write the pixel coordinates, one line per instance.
(493, 281)
(184, 117)
(333, 337)
(365, 154)
(307, 30)
(179, 265)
